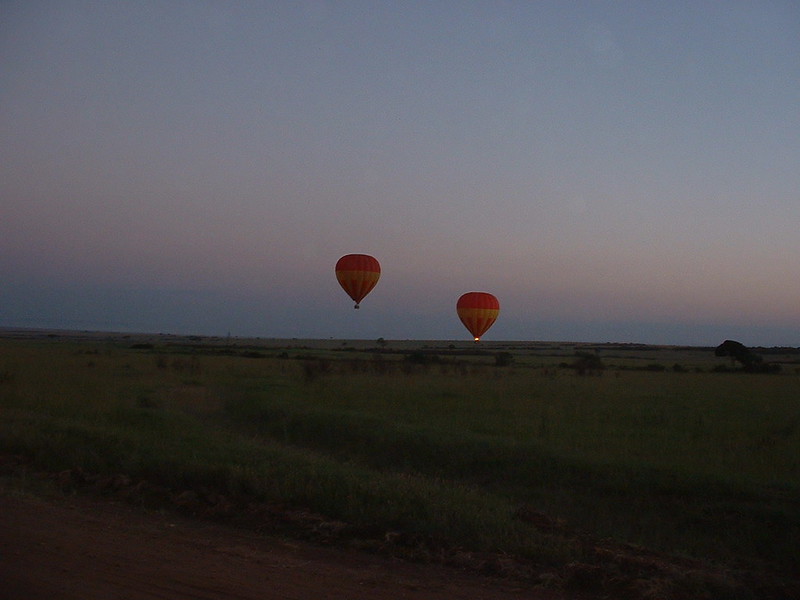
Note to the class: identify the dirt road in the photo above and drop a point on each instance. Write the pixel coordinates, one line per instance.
(85, 548)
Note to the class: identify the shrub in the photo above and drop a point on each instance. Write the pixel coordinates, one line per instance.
(421, 358)
(587, 363)
(503, 359)
(315, 368)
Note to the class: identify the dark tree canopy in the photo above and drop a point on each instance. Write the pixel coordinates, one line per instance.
(738, 352)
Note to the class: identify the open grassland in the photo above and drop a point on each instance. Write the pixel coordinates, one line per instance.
(531, 451)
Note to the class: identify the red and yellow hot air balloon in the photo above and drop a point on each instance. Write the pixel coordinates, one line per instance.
(477, 311)
(358, 274)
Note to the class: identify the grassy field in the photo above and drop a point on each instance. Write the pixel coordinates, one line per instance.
(522, 449)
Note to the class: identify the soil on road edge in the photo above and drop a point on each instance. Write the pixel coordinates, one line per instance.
(85, 548)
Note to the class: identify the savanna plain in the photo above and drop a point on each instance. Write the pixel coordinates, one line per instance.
(611, 470)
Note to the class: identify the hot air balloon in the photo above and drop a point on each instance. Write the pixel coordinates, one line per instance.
(358, 274)
(477, 311)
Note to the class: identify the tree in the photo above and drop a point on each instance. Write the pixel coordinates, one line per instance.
(738, 352)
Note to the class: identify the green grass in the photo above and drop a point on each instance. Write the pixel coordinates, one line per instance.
(699, 464)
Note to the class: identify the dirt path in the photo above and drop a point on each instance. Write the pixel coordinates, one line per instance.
(83, 548)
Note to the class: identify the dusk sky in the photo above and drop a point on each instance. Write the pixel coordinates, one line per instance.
(611, 171)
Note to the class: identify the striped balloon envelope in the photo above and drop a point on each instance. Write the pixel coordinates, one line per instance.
(358, 274)
(478, 311)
